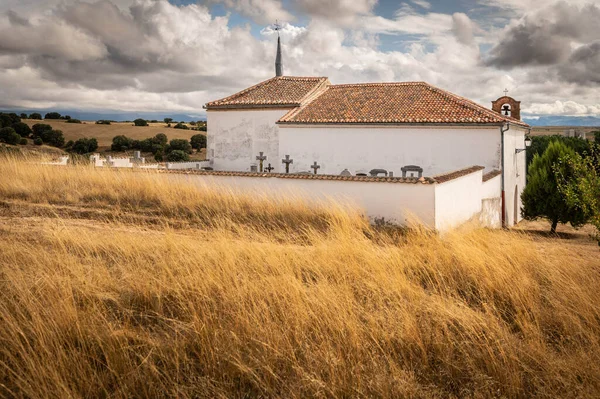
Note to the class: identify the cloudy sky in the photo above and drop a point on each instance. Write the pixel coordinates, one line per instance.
(174, 56)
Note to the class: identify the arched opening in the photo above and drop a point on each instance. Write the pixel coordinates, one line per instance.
(506, 110)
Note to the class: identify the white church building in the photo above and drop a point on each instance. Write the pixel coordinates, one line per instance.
(306, 129)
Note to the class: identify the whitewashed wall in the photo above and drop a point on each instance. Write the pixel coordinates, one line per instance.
(362, 148)
(514, 173)
(395, 202)
(235, 138)
(187, 165)
(492, 188)
(458, 200)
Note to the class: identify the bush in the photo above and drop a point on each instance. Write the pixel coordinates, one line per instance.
(192, 123)
(73, 121)
(23, 141)
(23, 116)
(180, 145)
(38, 141)
(39, 128)
(69, 144)
(161, 139)
(178, 156)
(5, 120)
(121, 143)
(202, 128)
(52, 115)
(168, 120)
(85, 145)
(159, 155)
(180, 125)
(53, 137)
(102, 122)
(67, 117)
(22, 128)
(541, 196)
(9, 136)
(198, 141)
(35, 115)
(596, 137)
(140, 122)
(146, 145)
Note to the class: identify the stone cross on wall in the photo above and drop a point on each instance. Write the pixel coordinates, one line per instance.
(287, 161)
(260, 158)
(269, 168)
(314, 167)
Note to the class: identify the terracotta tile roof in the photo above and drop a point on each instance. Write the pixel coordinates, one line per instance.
(280, 91)
(490, 175)
(301, 176)
(408, 102)
(445, 177)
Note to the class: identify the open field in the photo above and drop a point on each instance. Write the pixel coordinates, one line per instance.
(552, 130)
(105, 133)
(124, 284)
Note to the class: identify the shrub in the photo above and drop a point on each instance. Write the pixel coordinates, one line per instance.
(5, 120)
(168, 120)
(67, 117)
(52, 115)
(53, 137)
(159, 155)
(180, 125)
(198, 141)
(596, 137)
(22, 128)
(102, 122)
(156, 148)
(178, 156)
(146, 145)
(69, 144)
(85, 145)
(192, 123)
(14, 118)
(73, 121)
(35, 115)
(140, 122)
(121, 143)
(23, 141)
(39, 128)
(38, 141)
(202, 128)
(541, 196)
(9, 136)
(23, 116)
(161, 139)
(180, 145)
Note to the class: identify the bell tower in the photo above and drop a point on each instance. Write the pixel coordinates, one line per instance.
(278, 57)
(507, 106)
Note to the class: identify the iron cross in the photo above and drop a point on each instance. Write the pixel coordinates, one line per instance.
(315, 167)
(269, 168)
(505, 92)
(287, 161)
(261, 158)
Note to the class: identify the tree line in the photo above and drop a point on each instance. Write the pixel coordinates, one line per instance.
(173, 151)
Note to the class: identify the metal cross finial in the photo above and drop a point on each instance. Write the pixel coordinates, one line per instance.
(261, 158)
(277, 27)
(269, 168)
(505, 92)
(314, 167)
(287, 161)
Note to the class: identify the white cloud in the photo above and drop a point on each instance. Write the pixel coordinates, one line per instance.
(261, 11)
(566, 108)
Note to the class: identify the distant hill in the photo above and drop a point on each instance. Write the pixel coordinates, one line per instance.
(551, 120)
(118, 116)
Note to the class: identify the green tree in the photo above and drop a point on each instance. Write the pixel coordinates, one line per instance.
(198, 141)
(181, 125)
(9, 136)
(168, 121)
(40, 128)
(53, 137)
(541, 196)
(540, 143)
(121, 143)
(52, 115)
(180, 145)
(103, 122)
(140, 122)
(146, 145)
(177, 156)
(72, 120)
(596, 137)
(23, 116)
(85, 145)
(5, 120)
(38, 141)
(35, 115)
(161, 139)
(22, 128)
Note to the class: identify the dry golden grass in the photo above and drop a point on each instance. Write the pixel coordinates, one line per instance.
(122, 284)
(105, 133)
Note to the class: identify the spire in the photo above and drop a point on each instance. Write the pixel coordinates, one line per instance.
(278, 59)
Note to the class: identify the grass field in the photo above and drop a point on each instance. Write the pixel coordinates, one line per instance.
(105, 133)
(124, 284)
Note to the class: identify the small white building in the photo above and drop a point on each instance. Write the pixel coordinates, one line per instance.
(392, 129)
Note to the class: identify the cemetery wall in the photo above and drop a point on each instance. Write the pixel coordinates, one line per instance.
(458, 200)
(236, 137)
(514, 173)
(187, 165)
(363, 148)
